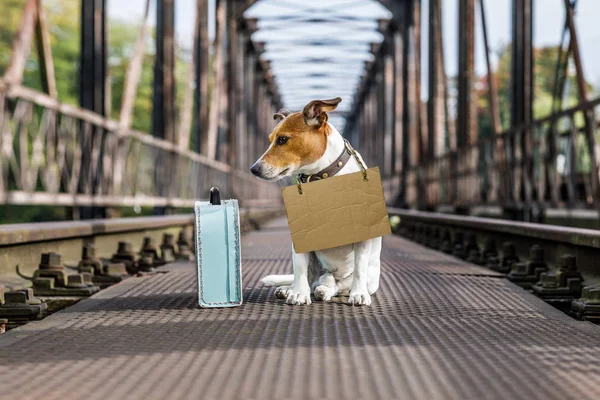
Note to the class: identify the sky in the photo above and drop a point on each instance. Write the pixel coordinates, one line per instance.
(548, 23)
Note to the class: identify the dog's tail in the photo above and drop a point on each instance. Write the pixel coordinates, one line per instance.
(277, 280)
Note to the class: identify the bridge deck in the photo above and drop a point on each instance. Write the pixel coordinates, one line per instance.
(438, 328)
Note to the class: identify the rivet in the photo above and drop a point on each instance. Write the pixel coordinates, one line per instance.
(325, 175)
(340, 164)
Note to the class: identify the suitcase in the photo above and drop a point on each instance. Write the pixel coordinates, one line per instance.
(218, 255)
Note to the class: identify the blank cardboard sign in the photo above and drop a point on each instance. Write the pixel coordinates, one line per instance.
(336, 211)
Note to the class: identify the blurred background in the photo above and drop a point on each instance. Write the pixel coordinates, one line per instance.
(206, 76)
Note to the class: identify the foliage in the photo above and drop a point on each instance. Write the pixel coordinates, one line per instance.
(545, 60)
(63, 20)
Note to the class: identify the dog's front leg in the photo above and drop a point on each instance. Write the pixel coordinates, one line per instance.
(359, 293)
(300, 291)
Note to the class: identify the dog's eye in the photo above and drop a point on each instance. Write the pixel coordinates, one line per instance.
(281, 140)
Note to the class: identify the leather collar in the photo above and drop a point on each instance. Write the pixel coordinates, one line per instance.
(331, 170)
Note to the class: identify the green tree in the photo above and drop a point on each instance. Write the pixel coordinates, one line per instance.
(545, 59)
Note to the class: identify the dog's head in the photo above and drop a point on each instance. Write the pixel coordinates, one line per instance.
(297, 140)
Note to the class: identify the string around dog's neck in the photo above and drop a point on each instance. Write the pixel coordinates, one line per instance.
(332, 169)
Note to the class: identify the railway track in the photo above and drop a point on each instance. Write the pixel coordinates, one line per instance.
(46, 267)
(560, 265)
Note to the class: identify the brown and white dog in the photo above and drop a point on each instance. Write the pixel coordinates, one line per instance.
(304, 144)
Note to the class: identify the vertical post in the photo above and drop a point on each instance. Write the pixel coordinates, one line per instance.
(93, 56)
(522, 90)
(201, 93)
(589, 115)
(410, 108)
(465, 129)
(380, 111)
(416, 64)
(408, 131)
(219, 93)
(242, 88)
(399, 137)
(250, 96)
(232, 87)
(163, 107)
(389, 105)
(186, 113)
(164, 72)
(435, 103)
(522, 66)
(92, 94)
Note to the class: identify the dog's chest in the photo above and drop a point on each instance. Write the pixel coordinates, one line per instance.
(338, 260)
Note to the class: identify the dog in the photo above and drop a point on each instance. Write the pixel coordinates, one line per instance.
(305, 145)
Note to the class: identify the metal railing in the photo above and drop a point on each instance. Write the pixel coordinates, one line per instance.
(549, 162)
(58, 154)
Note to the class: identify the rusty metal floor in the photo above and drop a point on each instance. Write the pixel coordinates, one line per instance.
(438, 329)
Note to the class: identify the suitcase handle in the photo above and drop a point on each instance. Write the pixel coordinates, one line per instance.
(215, 196)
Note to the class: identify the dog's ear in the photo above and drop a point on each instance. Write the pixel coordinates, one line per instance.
(315, 112)
(281, 114)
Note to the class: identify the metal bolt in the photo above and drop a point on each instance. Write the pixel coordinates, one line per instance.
(472, 242)
(536, 253)
(508, 249)
(489, 248)
(115, 269)
(591, 294)
(88, 252)
(125, 248)
(150, 247)
(76, 281)
(148, 242)
(458, 238)
(183, 237)
(434, 241)
(18, 297)
(50, 261)
(459, 249)
(587, 307)
(568, 262)
(168, 239)
(446, 245)
(146, 262)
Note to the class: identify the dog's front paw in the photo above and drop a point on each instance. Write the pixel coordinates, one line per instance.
(282, 292)
(359, 298)
(298, 297)
(323, 293)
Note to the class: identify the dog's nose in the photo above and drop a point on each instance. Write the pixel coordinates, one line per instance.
(255, 169)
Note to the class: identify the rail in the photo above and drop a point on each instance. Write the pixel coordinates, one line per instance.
(22, 244)
(432, 229)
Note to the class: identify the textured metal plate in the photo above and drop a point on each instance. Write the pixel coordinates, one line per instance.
(426, 336)
(271, 243)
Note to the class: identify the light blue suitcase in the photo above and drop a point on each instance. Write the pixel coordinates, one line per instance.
(218, 255)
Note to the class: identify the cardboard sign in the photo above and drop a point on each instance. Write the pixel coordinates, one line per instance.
(336, 211)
